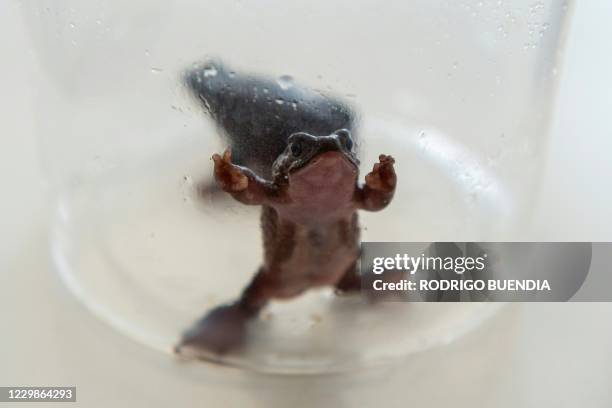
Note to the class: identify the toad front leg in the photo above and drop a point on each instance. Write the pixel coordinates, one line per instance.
(244, 185)
(379, 186)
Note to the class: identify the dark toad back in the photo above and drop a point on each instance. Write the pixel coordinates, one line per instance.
(257, 114)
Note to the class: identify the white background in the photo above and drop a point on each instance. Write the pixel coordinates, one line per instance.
(533, 355)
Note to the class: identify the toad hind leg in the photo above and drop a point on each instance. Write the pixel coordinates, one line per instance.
(350, 282)
(224, 328)
(353, 282)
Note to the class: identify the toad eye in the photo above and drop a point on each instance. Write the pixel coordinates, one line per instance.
(345, 138)
(296, 148)
(348, 143)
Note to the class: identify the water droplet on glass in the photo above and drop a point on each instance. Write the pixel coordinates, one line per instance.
(279, 101)
(210, 72)
(285, 81)
(156, 70)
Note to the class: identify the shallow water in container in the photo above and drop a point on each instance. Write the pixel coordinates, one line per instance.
(150, 257)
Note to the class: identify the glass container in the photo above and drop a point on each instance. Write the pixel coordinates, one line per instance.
(459, 92)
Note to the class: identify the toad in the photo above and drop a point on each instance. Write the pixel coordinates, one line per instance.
(309, 221)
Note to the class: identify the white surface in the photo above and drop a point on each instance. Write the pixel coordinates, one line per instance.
(535, 355)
